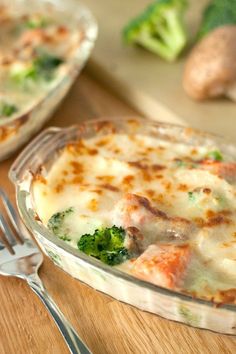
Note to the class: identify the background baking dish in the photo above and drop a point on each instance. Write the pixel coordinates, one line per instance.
(15, 131)
(172, 305)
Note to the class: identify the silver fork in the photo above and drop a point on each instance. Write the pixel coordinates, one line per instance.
(21, 257)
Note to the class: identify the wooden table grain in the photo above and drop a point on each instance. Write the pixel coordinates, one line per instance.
(106, 325)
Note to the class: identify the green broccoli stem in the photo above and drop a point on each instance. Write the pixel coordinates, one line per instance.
(173, 32)
(148, 41)
(170, 39)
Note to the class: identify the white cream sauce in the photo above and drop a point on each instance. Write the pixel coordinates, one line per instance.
(95, 175)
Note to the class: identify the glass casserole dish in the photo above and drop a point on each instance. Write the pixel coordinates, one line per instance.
(43, 151)
(18, 125)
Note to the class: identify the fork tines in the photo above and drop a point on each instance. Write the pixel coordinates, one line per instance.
(12, 230)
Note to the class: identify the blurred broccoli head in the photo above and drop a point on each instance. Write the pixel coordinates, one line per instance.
(37, 21)
(160, 29)
(106, 244)
(7, 109)
(217, 13)
(42, 68)
(215, 155)
(58, 224)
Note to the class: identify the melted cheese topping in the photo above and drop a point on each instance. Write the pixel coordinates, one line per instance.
(174, 195)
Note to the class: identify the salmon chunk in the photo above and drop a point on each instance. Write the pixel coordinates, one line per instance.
(225, 170)
(145, 224)
(163, 264)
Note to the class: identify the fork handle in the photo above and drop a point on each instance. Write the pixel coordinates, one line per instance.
(73, 341)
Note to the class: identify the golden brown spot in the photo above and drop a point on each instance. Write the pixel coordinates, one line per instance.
(128, 179)
(92, 151)
(70, 148)
(77, 167)
(106, 179)
(213, 214)
(210, 214)
(146, 176)
(226, 244)
(76, 149)
(138, 165)
(117, 151)
(206, 190)
(142, 166)
(59, 187)
(193, 151)
(131, 208)
(105, 127)
(157, 167)
(62, 30)
(178, 219)
(109, 187)
(80, 144)
(214, 219)
(98, 191)
(103, 141)
(159, 198)
(134, 123)
(199, 221)
(65, 173)
(218, 220)
(40, 178)
(80, 148)
(77, 180)
(226, 212)
(168, 186)
(159, 176)
(93, 205)
(150, 193)
(182, 187)
(84, 186)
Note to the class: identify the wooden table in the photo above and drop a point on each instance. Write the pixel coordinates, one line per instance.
(106, 325)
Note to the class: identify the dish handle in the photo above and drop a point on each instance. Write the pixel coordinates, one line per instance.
(33, 155)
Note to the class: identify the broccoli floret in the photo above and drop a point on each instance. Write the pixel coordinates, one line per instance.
(192, 196)
(7, 109)
(45, 64)
(42, 68)
(215, 155)
(95, 243)
(160, 29)
(36, 22)
(106, 244)
(217, 13)
(22, 75)
(58, 225)
(114, 257)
